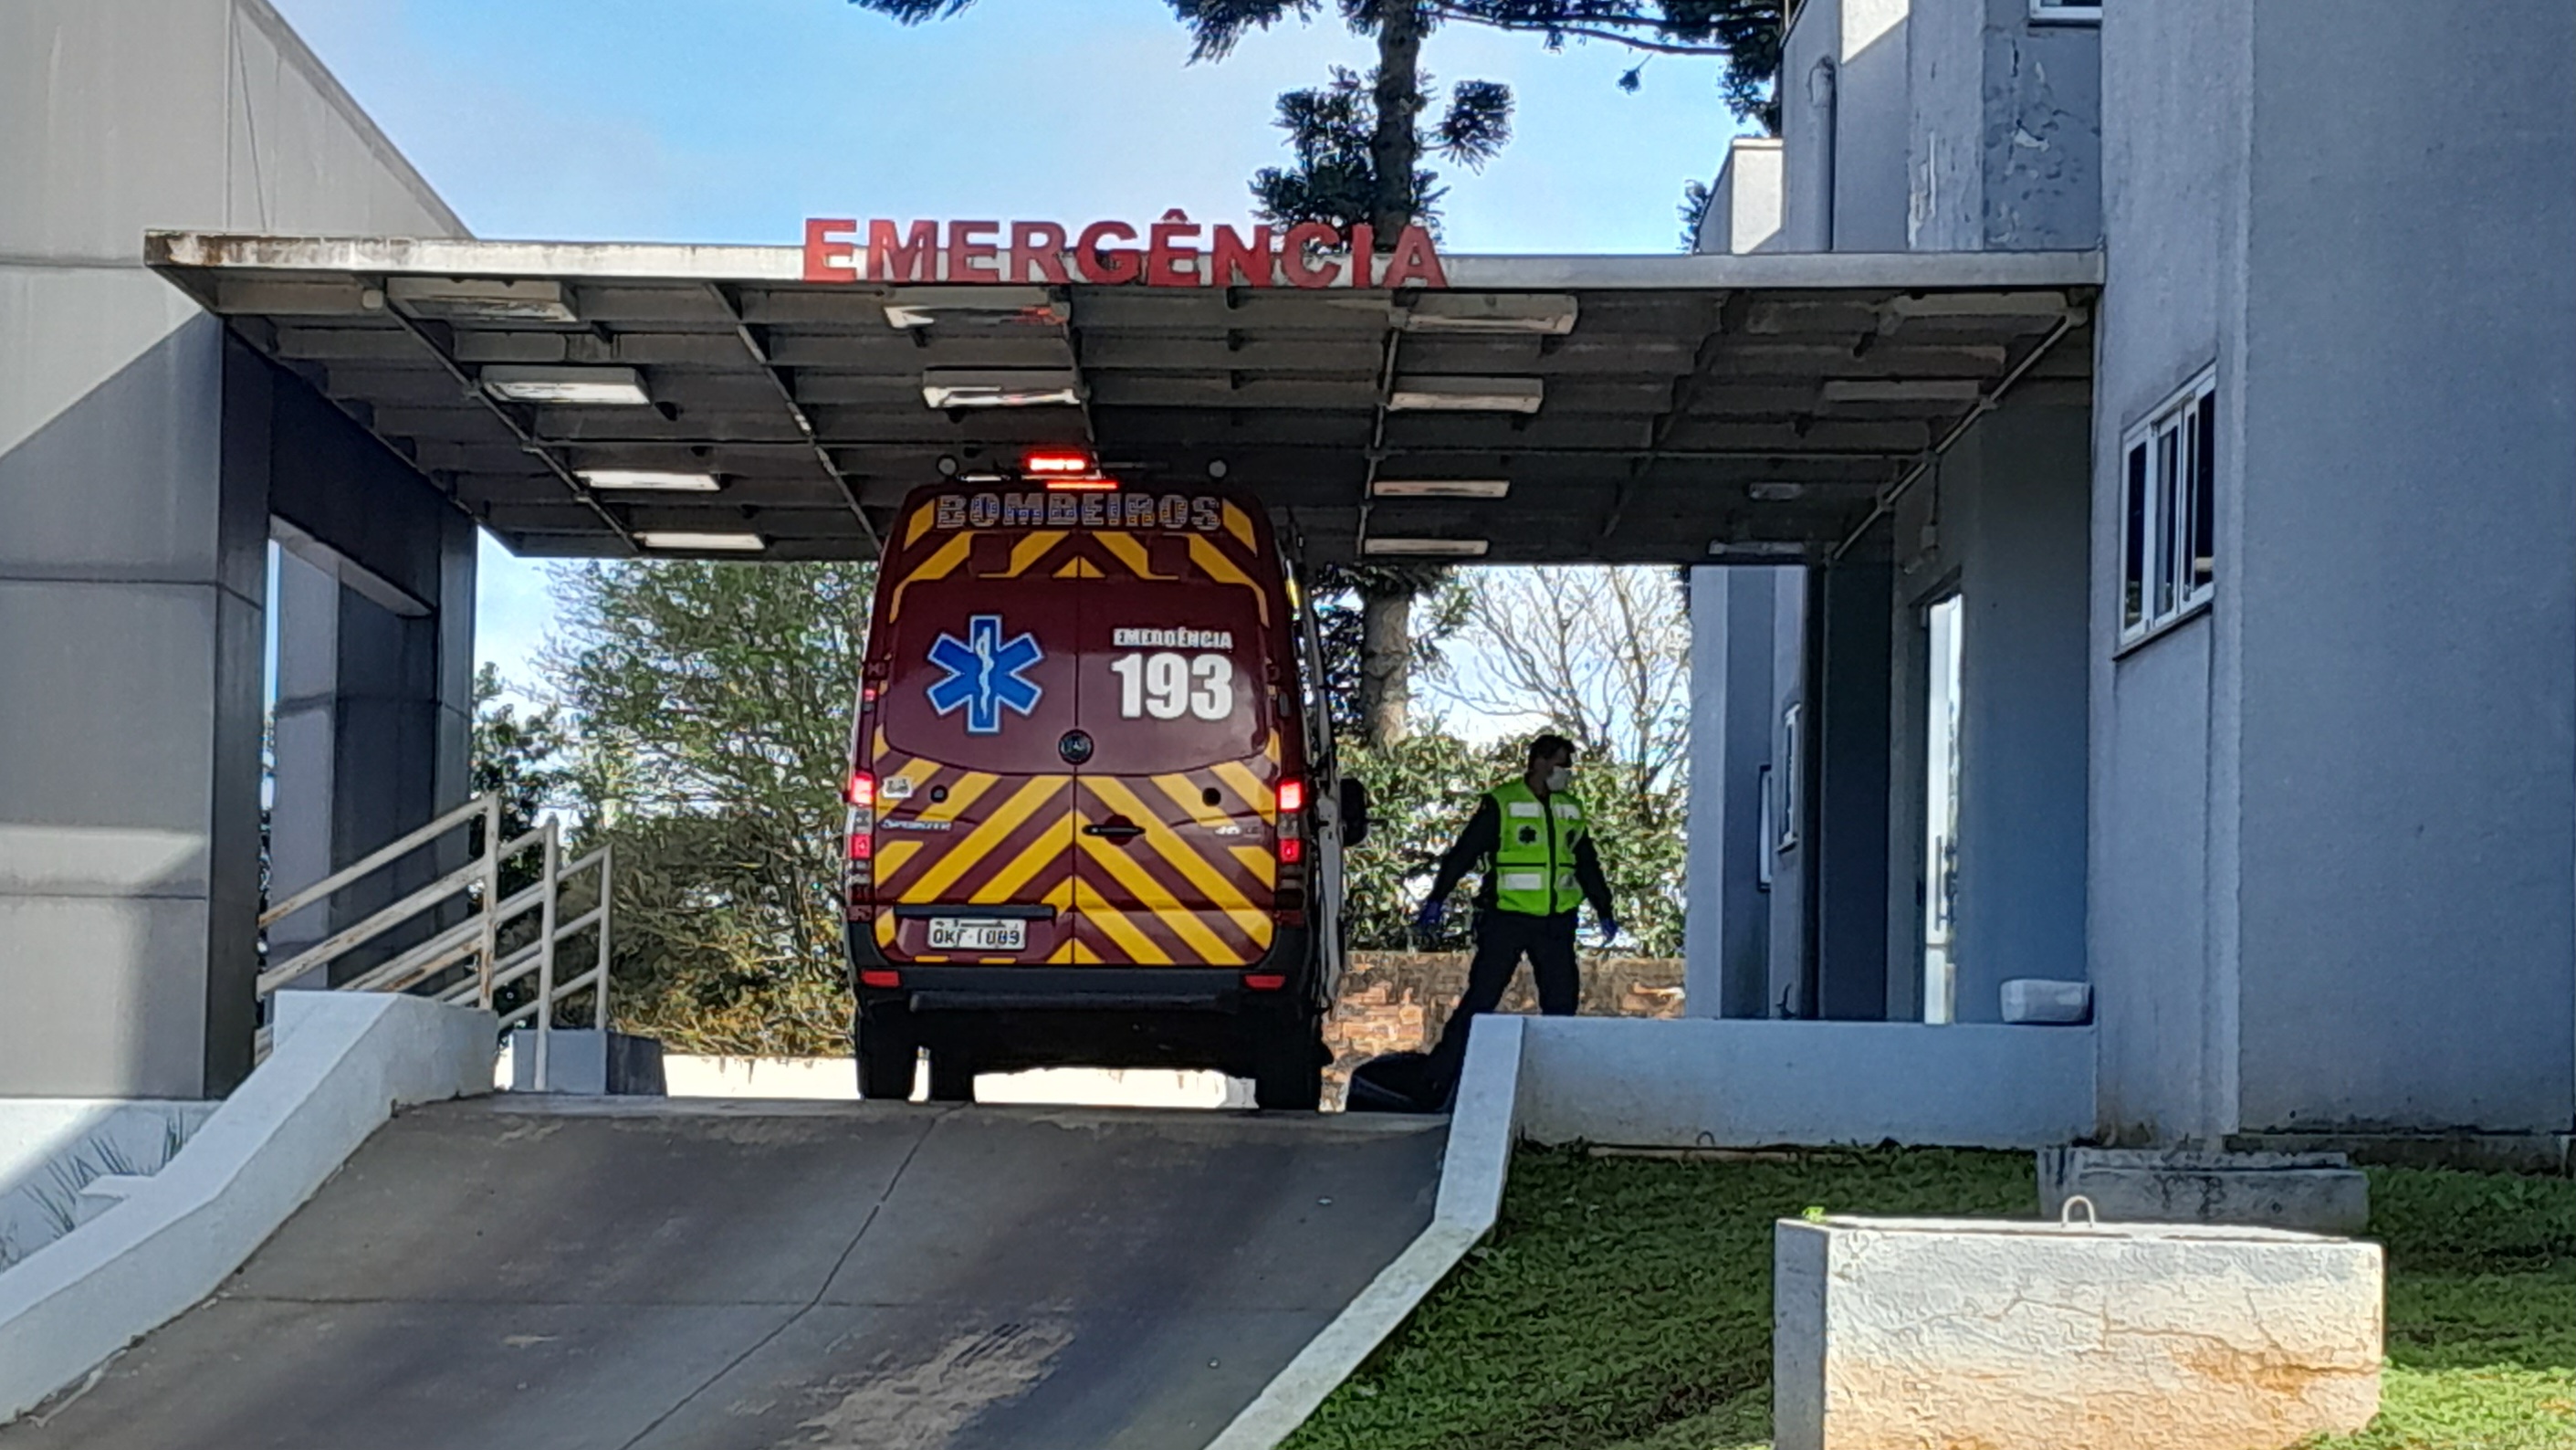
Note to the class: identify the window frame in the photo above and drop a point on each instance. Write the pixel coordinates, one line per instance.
(1793, 802)
(2065, 12)
(1768, 827)
(2166, 477)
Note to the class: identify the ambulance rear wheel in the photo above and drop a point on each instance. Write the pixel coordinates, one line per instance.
(952, 1076)
(889, 1055)
(1288, 1074)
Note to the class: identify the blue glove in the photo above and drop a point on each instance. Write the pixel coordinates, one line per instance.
(1427, 921)
(1609, 930)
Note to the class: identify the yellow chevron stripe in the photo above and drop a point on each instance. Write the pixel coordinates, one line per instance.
(918, 524)
(1220, 566)
(1168, 843)
(969, 788)
(1154, 897)
(1191, 800)
(1079, 569)
(1114, 924)
(1244, 783)
(892, 855)
(1239, 524)
(961, 857)
(885, 930)
(1260, 863)
(942, 563)
(1222, 894)
(1031, 549)
(1130, 553)
(1045, 849)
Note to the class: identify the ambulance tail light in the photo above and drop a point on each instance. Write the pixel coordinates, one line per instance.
(1292, 851)
(862, 792)
(1292, 798)
(863, 842)
(1265, 981)
(879, 977)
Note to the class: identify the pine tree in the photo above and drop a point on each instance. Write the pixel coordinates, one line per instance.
(1357, 145)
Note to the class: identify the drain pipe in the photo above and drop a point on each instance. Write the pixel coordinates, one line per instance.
(1986, 403)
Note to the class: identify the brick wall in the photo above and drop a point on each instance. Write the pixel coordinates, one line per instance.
(1400, 1001)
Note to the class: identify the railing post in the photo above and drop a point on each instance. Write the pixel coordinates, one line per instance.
(491, 899)
(547, 892)
(599, 982)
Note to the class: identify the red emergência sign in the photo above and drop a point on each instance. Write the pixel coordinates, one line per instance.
(1173, 252)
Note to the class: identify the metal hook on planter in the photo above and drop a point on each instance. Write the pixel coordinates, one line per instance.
(2066, 1211)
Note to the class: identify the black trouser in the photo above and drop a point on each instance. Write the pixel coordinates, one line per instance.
(1502, 938)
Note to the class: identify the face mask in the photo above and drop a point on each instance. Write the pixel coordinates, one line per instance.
(1561, 778)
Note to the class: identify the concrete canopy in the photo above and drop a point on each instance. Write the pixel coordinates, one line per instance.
(1676, 409)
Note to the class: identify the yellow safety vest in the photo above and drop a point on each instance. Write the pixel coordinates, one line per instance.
(1534, 859)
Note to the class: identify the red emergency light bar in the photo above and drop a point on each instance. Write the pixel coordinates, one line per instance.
(1067, 470)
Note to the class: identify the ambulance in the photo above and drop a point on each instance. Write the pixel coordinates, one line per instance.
(1093, 812)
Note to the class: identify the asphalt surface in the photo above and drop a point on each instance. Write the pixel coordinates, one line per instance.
(641, 1274)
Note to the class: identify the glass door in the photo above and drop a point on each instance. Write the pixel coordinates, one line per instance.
(1942, 626)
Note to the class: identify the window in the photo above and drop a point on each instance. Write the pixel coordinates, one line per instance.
(2168, 524)
(2066, 12)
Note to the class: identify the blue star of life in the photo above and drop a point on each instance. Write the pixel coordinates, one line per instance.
(986, 674)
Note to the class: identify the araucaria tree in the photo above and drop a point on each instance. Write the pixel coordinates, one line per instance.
(1358, 146)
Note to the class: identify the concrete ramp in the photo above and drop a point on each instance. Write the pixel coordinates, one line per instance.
(606, 1274)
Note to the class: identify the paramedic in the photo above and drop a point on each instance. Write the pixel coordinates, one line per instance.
(1529, 837)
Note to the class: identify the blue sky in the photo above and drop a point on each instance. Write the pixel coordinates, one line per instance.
(733, 120)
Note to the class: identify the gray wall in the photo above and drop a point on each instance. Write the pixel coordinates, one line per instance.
(2003, 522)
(2334, 836)
(2005, 150)
(2409, 514)
(1792, 945)
(2177, 89)
(133, 522)
(1727, 924)
(1744, 206)
(1845, 113)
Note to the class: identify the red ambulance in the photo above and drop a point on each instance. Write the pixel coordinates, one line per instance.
(1093, 813)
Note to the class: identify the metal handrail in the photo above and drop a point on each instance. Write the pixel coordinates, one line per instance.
(474, 941)
(483, 805)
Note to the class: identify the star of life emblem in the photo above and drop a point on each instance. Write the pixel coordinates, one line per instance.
(986, 674)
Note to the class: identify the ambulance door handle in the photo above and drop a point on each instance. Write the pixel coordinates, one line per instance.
(1116, 828)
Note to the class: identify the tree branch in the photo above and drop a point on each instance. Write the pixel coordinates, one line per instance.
(1582, 32)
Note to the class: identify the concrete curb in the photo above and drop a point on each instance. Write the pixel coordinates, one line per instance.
(1482, 1128)
(343, 1063)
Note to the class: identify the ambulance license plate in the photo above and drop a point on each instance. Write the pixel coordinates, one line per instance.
(977, 934)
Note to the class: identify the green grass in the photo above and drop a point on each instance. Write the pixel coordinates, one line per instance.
(1625, 1304)
(2481, 1312)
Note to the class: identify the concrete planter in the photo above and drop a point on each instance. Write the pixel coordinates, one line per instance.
(2315, 1192)
(2022, 1336)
